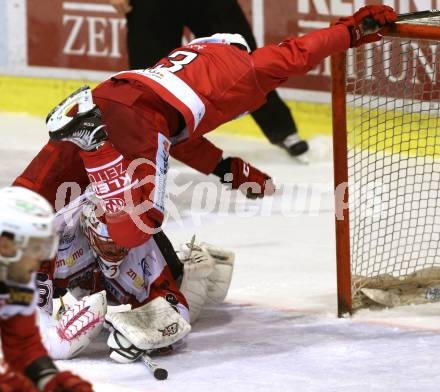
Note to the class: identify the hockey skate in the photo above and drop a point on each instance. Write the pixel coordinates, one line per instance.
(296, 147)
(85, 128)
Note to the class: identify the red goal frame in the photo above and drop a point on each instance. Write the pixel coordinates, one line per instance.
(340, 158)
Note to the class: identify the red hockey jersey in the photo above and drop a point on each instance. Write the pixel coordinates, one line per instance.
(209, 84)
(203, 84)
(20, 336)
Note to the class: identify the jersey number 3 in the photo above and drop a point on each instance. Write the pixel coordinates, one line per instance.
(178, 59)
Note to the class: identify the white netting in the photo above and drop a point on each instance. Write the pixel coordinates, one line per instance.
(393, 115)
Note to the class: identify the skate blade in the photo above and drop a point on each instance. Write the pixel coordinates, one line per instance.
(302, 159)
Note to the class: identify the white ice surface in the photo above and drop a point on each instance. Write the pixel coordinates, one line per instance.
(278, 328)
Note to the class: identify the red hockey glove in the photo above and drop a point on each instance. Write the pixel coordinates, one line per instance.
(11, 381)
(366, 22)
(67, 382)
(241, 175)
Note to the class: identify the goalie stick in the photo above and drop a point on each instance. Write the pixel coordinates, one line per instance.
(417, 15)
(158, 372)
(370, 26)
(165, 246)
(176, 268)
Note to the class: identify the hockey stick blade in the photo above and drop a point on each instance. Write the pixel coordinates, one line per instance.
(417, 15)
(369, 25)
(158, 372)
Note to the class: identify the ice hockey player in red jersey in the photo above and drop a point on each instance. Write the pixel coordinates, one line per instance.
(27, 237)
(137, 118)
(94, 269)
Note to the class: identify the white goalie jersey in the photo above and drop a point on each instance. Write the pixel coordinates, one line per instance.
(142, 279)
(143, 275)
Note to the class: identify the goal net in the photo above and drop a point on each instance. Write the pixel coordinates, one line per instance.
(386, 120)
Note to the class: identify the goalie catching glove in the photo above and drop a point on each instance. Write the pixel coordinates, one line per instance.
(152, 326)
(365, 24)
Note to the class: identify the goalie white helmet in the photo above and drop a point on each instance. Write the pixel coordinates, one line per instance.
(24, 215)
(108, 254)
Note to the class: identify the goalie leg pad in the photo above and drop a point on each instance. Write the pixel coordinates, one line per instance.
(195, 292)
(218, 283)
(220, 278)
(198, 265)
(153, 325)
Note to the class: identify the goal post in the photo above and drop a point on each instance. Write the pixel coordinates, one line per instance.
(386, 151)
(340, 168)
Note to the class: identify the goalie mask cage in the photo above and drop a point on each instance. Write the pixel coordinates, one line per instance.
(386, 143)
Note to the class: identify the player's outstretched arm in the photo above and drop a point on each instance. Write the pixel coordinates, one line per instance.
(296, 56)
(199, 153)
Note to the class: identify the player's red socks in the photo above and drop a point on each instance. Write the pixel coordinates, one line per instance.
(116, 188)
(107, 172)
